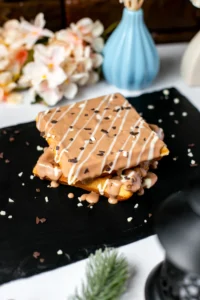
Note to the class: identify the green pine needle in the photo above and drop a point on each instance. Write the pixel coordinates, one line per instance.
(106, 276)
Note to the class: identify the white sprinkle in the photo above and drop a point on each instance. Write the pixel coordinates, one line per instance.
(23, 183)
(145, 221)
(31, 177)
(160, 121)
(10, 200)
(93, 139)
(150, 106)
(98, 117)
(71, 129)
(48, 135)
(20, 174)
(136, 205)
(82, 105)
(2, 213)
(184, 114)
(10, 217)
(166, 92)
(189, 150)
(193, 162)
(79, 204)
(171, 113)
(173, 136)
(46, 199)
(129, 219)
(176, 100)
(125, 153)
(190, 154)
(176, 121)
(40, 148)
(141, 114)
(59, 252)
(175, 158)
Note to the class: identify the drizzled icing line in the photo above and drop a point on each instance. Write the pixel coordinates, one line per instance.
(152, 147)
(144, 146)
(70, 180)
(41, 117)
(133, 146)
(57, 156)
(51, 118)
(60, 118)
(102, 189)
(118, 154)
(114, 140)
(79, 131)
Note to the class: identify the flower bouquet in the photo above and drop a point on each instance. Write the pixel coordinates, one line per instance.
(37, 64)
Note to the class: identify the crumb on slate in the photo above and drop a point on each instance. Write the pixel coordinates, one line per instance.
(150, 107)
(11, 139)
(11, 200)
(79, 204)
(27, 143)
(166, 92)
(10, 217)
(38, 190)
(32, 177)
(46, 199)
(2, 213)
(38, 220)
(36, 254)
(129, 219)
(59, 252)
(184, 114)
(7, 161)
(145, 221)
(20, 174)
(175, 158)
(42, 260)
(136, 205)
(39, 148)
(1, 155)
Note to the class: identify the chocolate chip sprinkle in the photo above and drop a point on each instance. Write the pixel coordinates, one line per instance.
(87, 128)
(71, 139)
(115, 134)
(107, 168)
(72, 113)
(104, 131)
(137, 127)
(86, 171)
(106, 118)
(54, 121)
(128, 107)
(82, 148)
(134, 133)
(59, 110)
(110, 164)
(114, 127)
(86, 115)
(116, 110)
(100, 154)
(73, 160)
(92, 108)
(42, 134)
(120, 150)
(106, 108)
(145, 139)
(96, 111)
(70, 126)
(57, 148)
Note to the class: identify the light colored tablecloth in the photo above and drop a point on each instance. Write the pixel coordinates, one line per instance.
(142, 255)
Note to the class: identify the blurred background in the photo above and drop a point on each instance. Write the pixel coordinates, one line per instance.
(168, 20)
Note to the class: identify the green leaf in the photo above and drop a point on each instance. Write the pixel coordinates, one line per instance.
(106, 277)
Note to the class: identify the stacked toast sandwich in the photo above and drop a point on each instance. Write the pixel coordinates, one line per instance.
(102, 146)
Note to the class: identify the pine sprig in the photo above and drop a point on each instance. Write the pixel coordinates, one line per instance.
(106, 277)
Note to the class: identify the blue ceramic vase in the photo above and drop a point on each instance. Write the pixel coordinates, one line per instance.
(131, 59)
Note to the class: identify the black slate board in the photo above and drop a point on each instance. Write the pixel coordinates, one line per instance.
(78, 231)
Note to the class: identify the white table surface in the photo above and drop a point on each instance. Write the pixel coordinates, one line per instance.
(142, 255)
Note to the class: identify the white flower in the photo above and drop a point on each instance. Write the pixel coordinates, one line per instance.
(4, 59)
(35, 31)
(50, 95)
(90, 32)
(93, 77)
(46, 67)
(69, 90)
(6, 85)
